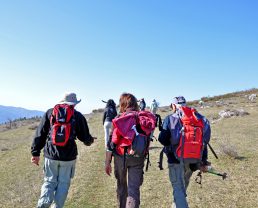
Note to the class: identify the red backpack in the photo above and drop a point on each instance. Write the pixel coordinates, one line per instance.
(125, 135)
(191, 141)
(61, 124)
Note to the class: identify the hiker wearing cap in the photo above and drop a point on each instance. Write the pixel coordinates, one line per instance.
(128, 162)
(56, 133)
(109, 114)
(178, 135)
(153, 109)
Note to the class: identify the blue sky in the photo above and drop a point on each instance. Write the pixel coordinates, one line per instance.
(102, 48)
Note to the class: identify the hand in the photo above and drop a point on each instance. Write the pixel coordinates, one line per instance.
(206, 163)
(35, 160)
(108, 168)
(204, 168)
(90, 141)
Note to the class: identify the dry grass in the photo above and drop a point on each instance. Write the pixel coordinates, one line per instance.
(21, 182)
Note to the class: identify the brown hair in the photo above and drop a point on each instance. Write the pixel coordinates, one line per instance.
(128, 101)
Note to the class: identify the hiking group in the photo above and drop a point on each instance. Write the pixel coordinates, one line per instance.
(184, 134)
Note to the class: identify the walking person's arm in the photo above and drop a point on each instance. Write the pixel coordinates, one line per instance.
(206, 138)
(82, 130)
(40, 138)
(108, 168)
(104, 117)
(164, 135)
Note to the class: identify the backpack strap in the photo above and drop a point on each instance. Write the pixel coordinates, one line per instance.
(124, 157)
(160, 123)
(52, 119)
(73, 125)
(161, 159)
(148, 161)
(182, 145)
(183, 135)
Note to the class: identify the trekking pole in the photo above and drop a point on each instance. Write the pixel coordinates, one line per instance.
(198, 178)
(212, 150)
(223, 175)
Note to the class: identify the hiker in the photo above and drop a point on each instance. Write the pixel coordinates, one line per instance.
(129, 160)
(153, 109)
(175, 140)
(154, 106)
(109, 114)
(142, 104)
(201, 103)
(57, 133)
(158, 123)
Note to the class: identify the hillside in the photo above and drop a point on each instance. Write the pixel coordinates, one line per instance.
(235, 140)
(9, 113)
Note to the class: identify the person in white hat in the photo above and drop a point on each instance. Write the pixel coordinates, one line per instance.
(154, 106)
(60, 150)
(70, 99)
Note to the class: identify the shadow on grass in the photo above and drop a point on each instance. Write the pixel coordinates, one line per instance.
(155, 147)
(241, 158)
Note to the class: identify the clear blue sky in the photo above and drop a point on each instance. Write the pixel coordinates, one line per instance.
(101, 48)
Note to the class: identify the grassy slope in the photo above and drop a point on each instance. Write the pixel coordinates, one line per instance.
(20, 181)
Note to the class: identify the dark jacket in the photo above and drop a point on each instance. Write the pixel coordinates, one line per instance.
(69, 151)
(109, 114)
(142, 105)
(170, 139)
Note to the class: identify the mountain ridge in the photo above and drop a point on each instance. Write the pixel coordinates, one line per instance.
(8, 113)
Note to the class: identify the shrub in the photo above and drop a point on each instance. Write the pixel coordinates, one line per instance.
(33, 127)
(229, 149)
(100, 110)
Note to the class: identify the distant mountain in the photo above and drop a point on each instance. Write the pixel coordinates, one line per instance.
(8, 113)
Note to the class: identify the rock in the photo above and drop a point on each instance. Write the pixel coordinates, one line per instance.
(252, 97)
(230, 113)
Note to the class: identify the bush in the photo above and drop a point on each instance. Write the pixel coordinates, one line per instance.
(229, 95)
(164, 109)
(33, 127)
(228, 149)
(100, 110)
